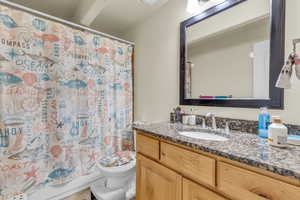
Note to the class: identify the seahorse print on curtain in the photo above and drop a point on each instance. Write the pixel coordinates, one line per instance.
(65, 101)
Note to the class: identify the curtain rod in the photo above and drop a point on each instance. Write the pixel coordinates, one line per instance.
(32, 11)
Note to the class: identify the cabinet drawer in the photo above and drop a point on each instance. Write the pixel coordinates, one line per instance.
(189, 164)
(241, 184)
(193, 191)
(147, 146)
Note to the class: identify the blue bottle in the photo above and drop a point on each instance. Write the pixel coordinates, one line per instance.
(263, 122)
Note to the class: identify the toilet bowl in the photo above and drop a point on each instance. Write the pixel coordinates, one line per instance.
(117, 179)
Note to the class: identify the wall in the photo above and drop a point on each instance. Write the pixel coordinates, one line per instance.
(245, 13)
(219, 57)
(157, 66)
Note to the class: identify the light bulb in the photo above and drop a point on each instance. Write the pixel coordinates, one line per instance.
(193, 6)
(149, 2)
(197, 6)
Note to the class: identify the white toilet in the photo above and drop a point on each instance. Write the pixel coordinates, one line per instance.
(119, 183)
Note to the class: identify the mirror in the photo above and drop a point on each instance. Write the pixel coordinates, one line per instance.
(239, 54)
(232, 57)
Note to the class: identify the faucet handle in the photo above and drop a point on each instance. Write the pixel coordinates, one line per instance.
(202, 119)
(203, 122)
(210, 115)
(213, 117)
(227, 127)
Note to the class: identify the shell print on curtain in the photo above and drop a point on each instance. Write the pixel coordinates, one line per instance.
(66, 101)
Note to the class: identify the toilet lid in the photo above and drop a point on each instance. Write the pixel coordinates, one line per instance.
(117, 159)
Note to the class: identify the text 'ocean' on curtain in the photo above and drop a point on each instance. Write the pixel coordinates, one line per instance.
(65, 101)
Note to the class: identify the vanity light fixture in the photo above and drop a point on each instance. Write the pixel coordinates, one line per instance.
(196, 6)
(149, 2)
(193, 6)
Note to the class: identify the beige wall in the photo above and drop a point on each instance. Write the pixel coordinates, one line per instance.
(157, 66)
(245, 13)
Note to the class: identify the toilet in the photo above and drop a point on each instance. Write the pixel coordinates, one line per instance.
(119, 181)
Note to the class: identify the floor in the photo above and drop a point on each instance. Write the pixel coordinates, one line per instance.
(93, 197)
(83, 195)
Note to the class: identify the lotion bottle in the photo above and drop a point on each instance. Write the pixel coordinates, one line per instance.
(277, 133)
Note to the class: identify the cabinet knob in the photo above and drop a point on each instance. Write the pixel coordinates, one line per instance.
(163, 154)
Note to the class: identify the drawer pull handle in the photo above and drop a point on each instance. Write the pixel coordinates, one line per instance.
(266, 196)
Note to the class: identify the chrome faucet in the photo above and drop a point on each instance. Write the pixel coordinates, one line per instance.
(227, 128)
(202, 120)
(203, 123)
(214, 125)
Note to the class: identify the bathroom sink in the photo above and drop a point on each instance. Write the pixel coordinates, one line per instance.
(202, 136)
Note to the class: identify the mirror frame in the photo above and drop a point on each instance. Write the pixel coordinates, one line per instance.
(277, 56)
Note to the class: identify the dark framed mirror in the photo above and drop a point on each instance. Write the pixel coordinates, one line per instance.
(232, 53)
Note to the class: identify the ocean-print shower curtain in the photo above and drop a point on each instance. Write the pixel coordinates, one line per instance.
(65, 101)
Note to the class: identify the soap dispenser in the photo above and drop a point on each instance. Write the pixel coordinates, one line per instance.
(192, 118)
(263, 122)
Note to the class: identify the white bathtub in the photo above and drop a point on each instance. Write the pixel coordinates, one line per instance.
(59, 193)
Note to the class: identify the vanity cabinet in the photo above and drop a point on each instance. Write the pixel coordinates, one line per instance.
(193, 191)
(239, 183)
(148, 146)
(190, 164)
(169, 171)
(156, 182)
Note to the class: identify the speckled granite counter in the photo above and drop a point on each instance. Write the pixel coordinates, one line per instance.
(245, 148)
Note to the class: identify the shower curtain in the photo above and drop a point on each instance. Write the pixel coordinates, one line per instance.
(65, 101)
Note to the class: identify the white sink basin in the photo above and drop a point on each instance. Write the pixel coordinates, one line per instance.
(203, 136)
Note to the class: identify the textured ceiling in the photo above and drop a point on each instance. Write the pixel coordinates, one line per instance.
(114, 18)
(59, 8)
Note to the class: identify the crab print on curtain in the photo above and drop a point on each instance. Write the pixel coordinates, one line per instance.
(65, 101)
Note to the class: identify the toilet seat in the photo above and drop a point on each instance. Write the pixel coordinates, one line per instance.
(119, 169)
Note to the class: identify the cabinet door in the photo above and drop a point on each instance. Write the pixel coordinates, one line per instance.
(193, 191)
(156, 182)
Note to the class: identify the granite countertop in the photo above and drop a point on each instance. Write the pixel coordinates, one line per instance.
(242, 147)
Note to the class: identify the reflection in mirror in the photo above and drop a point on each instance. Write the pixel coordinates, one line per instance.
(229, 60)
(198, 6)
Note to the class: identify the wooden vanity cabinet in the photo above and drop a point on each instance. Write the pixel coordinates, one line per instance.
(156, 182)
(194, 191)
(167, 171)
(147, 146)
(190, 164)
(243, 184)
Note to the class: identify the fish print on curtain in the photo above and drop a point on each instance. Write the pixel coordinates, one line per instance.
(65, 101)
